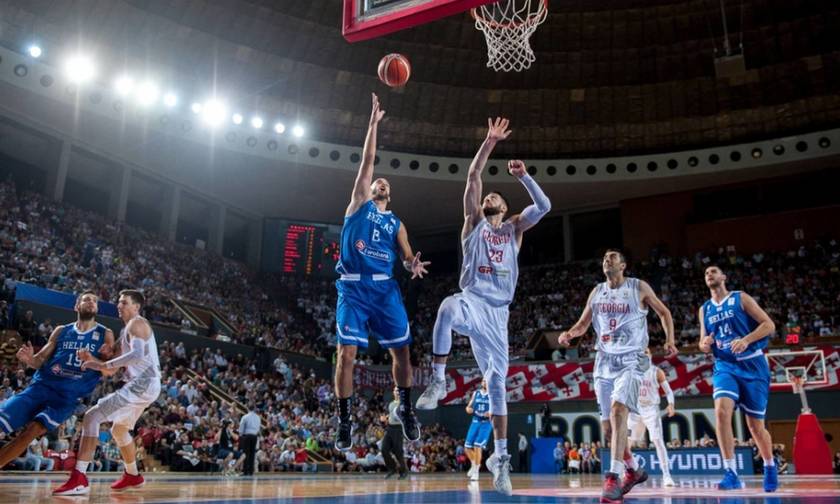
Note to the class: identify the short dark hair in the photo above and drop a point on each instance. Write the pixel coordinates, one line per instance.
(135, 295)
(617, 251)
(503, 198)
(85, 293)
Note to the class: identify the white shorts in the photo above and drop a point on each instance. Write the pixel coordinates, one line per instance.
(650, 418)
(618, 379)
(487, 328)
(124, 408)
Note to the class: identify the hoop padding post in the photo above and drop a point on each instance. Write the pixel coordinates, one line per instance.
(811, 453)
(507, 26)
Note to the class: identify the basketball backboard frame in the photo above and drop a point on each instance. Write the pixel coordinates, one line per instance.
(807, 364)
(367, 19)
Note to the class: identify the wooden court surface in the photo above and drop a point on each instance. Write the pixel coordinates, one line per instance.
(32, 488)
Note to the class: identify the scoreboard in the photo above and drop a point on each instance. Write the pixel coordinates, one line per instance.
(300, 248)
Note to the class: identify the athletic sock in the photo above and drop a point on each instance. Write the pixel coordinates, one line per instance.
(440, 371)
(730, 464)
(617, 467)
(82, 466)
(132, 469)
(630, 462)
(500, 446)
(769, 463)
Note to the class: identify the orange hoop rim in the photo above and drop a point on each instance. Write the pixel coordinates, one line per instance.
(493, 24)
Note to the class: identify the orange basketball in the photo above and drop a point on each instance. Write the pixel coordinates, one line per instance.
(394, 70)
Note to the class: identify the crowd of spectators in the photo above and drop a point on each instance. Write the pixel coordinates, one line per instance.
(63, 248)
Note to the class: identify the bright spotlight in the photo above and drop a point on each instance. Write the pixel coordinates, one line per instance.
(34, 51)
(214, 112)
(298, 131)
(124, 85)
(147, 93)
(280, 128)
(237, 118)
(170, 100)
(79, 69)
(256, 122)
(196, 108)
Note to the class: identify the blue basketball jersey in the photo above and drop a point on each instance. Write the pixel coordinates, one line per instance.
(368, 242)
(481, 405)
(727, 321)
(63, 372)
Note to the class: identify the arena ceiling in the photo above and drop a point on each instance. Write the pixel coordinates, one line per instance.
(611, 78)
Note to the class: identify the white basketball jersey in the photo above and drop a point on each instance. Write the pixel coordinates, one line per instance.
(619, 319)
(649, 388)
(490, 268)
(149, 367)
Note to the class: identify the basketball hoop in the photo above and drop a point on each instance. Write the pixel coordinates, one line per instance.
(507, 26)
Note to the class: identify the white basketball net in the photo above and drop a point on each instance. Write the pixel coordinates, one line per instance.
(507, 26)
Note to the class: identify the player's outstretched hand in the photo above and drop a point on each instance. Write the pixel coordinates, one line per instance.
(84, 355)
(670, 410)
(517, 168)
(565, 338)
(26, 354)
(739, 345)
(376, 114)
(93, 364)
(706, 344)
(670, 350)
(498, 130)
(418, 267)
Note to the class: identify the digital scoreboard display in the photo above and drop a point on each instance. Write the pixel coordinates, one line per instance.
(300, 248)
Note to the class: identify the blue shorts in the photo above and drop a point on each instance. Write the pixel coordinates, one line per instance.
(479, 433)
(746, 382)
(371, 305)
(37, 402)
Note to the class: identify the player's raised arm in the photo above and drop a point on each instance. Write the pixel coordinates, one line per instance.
(648, 297)
(26, 354)
(496, 130)
(540, 205)
(361, 188)
(411, 262)
(581, 326)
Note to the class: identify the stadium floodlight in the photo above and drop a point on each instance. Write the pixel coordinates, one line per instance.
(147, 93)
(298, 131)
(170, 99)
(237, 118)
(124, 85)
(279, 128)
(79, 69)
(257, 122)
(34, 51)
(214, 112)
(196, 108)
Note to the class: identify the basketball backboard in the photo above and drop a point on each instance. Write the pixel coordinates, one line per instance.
(367, 19)
(805, 365)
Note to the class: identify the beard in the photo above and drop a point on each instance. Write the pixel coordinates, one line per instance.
(491, 211)
(378, 196)
(87, 315)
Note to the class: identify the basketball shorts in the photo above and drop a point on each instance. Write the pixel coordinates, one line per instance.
(479, 434)
(745, 382)
(37, 402)
(648, 417)
(371, 305)
(126, 405)
(618, 379)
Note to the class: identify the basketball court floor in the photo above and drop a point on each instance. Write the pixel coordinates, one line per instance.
(34, 488)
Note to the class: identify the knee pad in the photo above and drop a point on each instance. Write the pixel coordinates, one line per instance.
(121, 435)
(91, 422)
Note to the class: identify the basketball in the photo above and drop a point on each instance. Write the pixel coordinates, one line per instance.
(394, 70)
